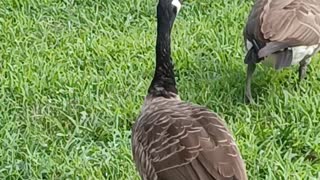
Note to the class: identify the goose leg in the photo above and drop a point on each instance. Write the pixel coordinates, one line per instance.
(303, 69)
(250, 70)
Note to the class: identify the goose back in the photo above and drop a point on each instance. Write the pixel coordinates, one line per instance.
(176, 140)
(287, 29)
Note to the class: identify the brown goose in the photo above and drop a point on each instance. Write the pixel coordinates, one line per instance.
(281, 33)
(176, 140)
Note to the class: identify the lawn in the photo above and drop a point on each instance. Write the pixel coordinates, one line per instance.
(74, 74)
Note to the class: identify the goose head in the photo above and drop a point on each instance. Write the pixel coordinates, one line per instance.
(167, 10)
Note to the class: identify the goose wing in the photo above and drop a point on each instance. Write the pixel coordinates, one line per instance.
(289, 23)
(177, 140)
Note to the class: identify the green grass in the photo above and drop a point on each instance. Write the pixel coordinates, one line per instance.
(74, 74)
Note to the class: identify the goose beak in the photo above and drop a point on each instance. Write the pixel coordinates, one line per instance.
(177, 4)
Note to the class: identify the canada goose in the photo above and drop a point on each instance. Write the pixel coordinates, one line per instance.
(176, 140)
(281, 33)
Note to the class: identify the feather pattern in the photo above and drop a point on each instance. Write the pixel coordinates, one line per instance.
(173, 139)
(299, 23)
(298, 26)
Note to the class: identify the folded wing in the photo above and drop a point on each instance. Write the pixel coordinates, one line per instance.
(185, 142)
(290, 23)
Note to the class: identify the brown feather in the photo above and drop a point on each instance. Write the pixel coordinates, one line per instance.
(277, 26)
(176, 140)
(299, 24)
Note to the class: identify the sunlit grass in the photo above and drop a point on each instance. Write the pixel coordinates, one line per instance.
(74, 74)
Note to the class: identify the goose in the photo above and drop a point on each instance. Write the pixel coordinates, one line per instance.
(280, 33)
(176, 140)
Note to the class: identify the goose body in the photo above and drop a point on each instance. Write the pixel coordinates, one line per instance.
(176, 140)
(280, 33)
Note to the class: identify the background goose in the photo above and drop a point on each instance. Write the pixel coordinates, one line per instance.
(281, 33)
(175, 140)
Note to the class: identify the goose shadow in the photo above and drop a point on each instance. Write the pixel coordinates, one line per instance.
(211, 82)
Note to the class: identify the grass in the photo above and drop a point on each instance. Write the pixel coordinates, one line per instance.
(74, 74)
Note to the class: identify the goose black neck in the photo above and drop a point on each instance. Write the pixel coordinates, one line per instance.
(163, 83)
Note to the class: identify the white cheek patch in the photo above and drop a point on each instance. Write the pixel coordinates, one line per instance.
(177, 4)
